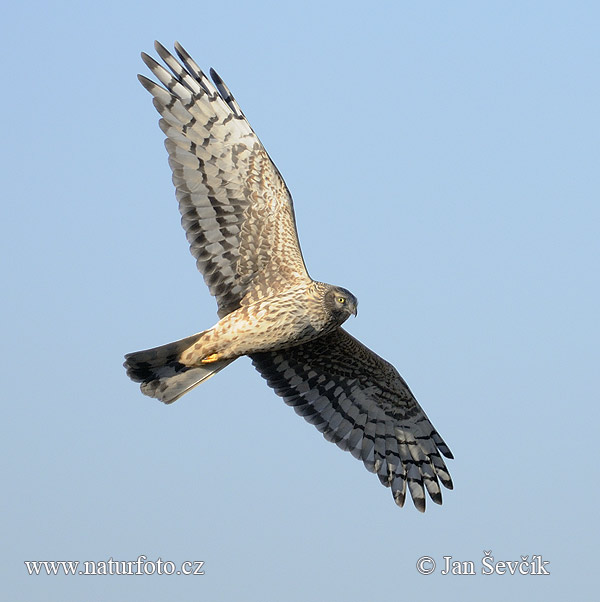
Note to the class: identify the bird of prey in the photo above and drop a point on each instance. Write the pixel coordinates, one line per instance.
(238, 216)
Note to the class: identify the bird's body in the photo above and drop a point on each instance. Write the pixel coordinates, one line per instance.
(297, 316)
(238, 216)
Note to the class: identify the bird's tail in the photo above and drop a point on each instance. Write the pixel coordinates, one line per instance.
(163, 376)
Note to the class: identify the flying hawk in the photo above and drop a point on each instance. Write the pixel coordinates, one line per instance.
(239, 219)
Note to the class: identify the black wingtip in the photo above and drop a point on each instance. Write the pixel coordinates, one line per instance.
(181, 51)
(436, 498)
(215, 76)
(149, 61)
(147, 83)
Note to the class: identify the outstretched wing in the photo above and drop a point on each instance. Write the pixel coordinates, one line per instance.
(361, 403)
(235, 207)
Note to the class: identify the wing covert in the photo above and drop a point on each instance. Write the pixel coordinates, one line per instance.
(236, 209)
(361, 403)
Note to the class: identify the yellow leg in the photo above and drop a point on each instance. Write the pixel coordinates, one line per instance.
(213, 357)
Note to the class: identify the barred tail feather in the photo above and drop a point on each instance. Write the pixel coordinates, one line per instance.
(163, 376)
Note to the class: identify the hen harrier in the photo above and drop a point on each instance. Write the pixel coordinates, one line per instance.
(239, 219)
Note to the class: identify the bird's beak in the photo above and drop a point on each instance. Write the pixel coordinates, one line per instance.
(355, 312)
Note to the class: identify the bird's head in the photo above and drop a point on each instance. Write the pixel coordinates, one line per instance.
(341, 303)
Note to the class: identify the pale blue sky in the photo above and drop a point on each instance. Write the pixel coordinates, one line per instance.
(443, 158)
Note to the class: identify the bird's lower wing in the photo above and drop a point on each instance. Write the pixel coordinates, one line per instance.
(361, 403)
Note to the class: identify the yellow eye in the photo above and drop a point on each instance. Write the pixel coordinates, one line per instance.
(341, 300)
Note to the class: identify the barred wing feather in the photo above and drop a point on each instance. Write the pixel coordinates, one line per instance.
(236, 209)
(361, 403)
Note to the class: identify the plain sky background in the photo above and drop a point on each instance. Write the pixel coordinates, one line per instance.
(443, 158)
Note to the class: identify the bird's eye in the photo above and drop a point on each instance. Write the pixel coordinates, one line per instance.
(341, 300)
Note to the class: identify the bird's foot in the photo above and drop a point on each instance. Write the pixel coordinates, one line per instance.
(213, 357)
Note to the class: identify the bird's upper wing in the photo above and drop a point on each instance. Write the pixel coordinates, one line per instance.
(361, 403)
(235, 207)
